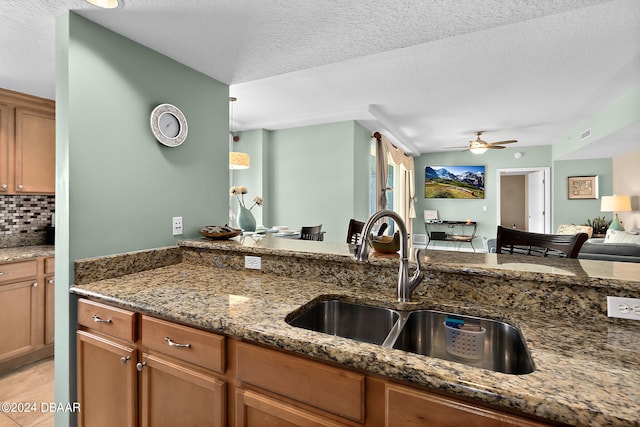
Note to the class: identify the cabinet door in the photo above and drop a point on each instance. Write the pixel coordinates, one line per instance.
(6, 129)
(35, 151)
(107, 383)
(48, 309)
(256, 410)
(176, 395)
(406, 407)
(19, 317)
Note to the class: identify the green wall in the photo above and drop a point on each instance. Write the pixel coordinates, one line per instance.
(622, 112)
(563, 210)
(308, 175)
(117, 187)
(567, 211)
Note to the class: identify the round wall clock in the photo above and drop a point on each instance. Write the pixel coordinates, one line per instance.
(168, 125)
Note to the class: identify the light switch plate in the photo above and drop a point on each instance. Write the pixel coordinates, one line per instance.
(623, 307)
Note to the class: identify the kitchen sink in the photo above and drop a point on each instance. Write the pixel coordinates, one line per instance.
(501, 347)
(356, 321)
(481, 342)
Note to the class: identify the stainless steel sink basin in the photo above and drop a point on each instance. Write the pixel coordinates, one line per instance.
(359, 322)
(488, 344)
(501, 349)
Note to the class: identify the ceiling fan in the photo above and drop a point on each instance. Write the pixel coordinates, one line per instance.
(479, 146)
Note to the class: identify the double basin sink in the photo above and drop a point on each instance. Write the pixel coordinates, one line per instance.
(483, 343)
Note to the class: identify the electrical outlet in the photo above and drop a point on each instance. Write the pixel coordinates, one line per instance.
(623, 308)
(253, 262)
(176, 225)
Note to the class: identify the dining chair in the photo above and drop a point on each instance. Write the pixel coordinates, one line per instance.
(354, 231)
(513, 241)
(312, 233)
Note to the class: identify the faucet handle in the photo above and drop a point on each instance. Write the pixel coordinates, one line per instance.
(418, 275)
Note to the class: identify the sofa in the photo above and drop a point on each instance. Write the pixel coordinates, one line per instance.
(623, 246)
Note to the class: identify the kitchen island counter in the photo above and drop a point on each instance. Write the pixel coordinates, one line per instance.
(586, 372)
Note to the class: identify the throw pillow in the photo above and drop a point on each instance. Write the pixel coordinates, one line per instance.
(615, 236)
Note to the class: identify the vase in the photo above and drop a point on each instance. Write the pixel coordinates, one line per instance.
(246, 221)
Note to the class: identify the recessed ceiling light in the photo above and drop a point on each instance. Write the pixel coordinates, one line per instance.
(105, 4)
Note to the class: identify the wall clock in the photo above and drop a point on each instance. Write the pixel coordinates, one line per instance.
(168, 125)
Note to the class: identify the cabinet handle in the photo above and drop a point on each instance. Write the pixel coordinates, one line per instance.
(20, 187)
(4, 272)
(99, 320)
(35, 284)
(124, 359)
(50, 281)
(175, 344)
(140, 366)
(4, 186)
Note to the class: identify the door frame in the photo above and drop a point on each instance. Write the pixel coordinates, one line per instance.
(526, 171)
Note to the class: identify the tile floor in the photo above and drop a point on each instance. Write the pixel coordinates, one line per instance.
(31, 384)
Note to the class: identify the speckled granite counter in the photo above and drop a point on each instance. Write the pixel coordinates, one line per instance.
(25, 252)
(587, 371)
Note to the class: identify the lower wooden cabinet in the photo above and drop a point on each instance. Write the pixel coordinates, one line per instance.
(136, 370)
(107, 382)
(405, 407)
(176, 395)
(124, 380)
(256, 410)
(23, 302)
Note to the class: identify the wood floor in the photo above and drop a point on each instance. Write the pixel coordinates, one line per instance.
(33, 385)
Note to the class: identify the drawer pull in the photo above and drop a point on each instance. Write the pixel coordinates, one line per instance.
(4, 272)
(175, 344)
(140, 366)
(99, 320)
(124, 359)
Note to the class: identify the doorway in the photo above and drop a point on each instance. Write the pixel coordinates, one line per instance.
(523, 199)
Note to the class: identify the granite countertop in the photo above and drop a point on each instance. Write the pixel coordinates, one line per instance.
(21, 253)
(587, 372)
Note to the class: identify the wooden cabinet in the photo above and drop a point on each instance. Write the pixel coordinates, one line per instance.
(315, 384)
(139, 370)
(22, 306)
(49, 295)
(407, 407)
(27, 144)
(154, 372)
(107, 383)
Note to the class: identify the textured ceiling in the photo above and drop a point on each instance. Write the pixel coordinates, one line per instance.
(429, 73)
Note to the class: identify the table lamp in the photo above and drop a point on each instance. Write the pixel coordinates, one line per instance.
(616, 204)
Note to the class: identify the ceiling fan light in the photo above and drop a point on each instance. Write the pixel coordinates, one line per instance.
(478, 150)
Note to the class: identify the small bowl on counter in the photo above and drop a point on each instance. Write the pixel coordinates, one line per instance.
(385, 244)
(219, 232)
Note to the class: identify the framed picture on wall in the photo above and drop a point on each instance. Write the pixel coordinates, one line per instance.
(582, 187)
(454, 182)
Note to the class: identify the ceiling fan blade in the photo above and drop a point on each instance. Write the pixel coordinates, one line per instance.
(494, 147)
(511, 141)
(458, 148)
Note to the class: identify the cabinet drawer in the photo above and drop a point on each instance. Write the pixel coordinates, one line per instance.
(108, 320)
(17, 271)
(49, 265)
(331, 389)
(182, 342)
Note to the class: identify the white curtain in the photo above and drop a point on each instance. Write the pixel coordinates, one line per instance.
(405, 162)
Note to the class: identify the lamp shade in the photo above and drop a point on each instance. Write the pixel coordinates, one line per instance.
(238, 160)
(615, 204)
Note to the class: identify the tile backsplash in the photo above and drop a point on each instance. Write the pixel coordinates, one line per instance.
(23, 219)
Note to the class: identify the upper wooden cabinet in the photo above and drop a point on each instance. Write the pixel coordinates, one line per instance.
(27, 144)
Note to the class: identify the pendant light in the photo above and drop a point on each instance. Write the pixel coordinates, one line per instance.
(237, 159)
(105, 4)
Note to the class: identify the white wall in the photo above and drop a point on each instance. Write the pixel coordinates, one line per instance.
(628, 184)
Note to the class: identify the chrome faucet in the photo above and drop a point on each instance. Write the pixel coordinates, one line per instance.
(406, 285)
